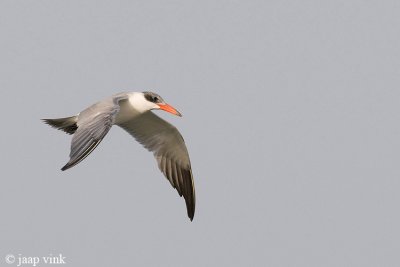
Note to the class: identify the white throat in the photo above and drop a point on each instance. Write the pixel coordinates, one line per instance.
(136, 105)
(140, 103)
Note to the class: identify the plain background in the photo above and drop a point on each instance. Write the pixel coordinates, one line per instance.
(291, 117)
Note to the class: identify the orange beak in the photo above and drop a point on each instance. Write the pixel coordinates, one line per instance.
(169, 109)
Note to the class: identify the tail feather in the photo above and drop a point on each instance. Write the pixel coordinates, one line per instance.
(67, 125)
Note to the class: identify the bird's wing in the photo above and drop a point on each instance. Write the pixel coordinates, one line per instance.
(93, 124)
(169, 149)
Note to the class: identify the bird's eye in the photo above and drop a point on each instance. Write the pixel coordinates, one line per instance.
(155, 99)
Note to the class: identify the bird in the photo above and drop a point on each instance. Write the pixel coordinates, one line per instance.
(132, 111)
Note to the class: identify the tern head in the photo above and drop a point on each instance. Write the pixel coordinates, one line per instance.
(155, 101)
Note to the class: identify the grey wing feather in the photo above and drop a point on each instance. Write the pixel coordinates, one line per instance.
(169, 149)
(93, 125)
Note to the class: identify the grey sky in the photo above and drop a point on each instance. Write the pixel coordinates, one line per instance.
(290, 114)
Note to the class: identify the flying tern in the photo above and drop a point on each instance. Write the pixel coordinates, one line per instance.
(132, 112)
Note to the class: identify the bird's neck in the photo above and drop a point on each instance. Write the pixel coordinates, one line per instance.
(132, 108)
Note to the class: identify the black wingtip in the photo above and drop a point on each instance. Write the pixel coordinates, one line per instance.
(191, 215)
(190, 211)
(66, 167)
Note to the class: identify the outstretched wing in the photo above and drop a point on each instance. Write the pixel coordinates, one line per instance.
(169, 149)
(93, 124)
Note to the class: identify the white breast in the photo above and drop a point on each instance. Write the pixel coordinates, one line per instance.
(135, 106)
(128, 110)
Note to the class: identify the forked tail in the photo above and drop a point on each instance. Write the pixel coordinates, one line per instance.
(67, 125)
